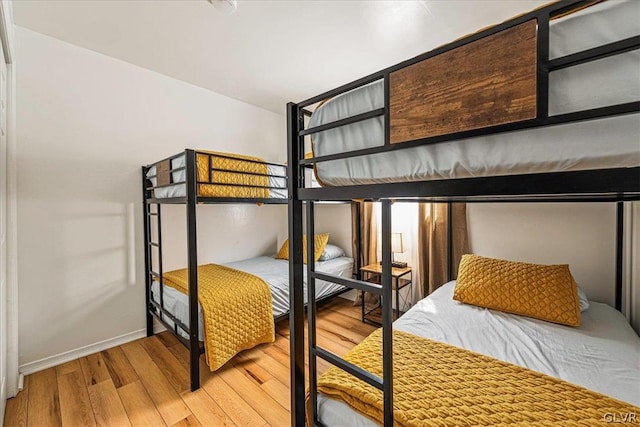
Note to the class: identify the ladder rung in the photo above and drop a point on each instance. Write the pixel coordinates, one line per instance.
(350, 283)
(154, 274)
(354, 370)
(154, 244)
(152, 213)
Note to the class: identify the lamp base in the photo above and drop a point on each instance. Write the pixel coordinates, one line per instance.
(396, 264)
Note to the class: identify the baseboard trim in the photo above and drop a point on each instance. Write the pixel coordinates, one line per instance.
(3, 396)
(67, 356)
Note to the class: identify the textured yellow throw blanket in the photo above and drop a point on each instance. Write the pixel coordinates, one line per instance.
(236, 307)
(436, 384)
(246, 177)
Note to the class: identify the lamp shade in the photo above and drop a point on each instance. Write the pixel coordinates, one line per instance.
(396, 243)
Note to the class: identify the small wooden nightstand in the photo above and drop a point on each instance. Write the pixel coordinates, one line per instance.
(398, 281)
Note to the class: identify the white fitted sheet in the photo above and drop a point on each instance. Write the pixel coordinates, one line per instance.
(603, 354)
(598, 144)
(180, 190)
(275, 272)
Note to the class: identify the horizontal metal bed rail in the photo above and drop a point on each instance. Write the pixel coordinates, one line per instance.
(171, 170)
(604, 185)
(170, 315)
(600, 52)
(350, 283)
(219, 200)
(173, 329)
(240, 159)
(349, 367)
(343, 122)
(248, 173)
(230, 184)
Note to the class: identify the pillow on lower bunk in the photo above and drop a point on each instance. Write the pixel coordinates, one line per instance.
(319, 243)
(331, 252)
(584, 301)
(545, 292)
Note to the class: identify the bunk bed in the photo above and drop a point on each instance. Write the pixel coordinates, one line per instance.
(533, 109)
(195, 177)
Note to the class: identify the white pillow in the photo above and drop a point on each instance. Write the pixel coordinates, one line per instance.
(582, 297)
(331, 252)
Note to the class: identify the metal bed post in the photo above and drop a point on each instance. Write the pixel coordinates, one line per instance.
(619, 253)
(192, 264)
(296, 288)
(358, 237)
(147, 256)
(450, 273)
(542, 84)
(311, 312)
(387, 315)
(159, 246)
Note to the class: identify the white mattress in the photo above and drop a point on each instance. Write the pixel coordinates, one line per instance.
(273, 271)
(603, 354)
(599, 144)
(180, 190)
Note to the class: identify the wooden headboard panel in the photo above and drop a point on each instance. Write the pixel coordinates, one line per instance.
(487, 82)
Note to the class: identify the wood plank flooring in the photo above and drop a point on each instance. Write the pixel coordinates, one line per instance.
(146, 382)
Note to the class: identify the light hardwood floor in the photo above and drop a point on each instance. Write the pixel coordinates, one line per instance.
(146, 382)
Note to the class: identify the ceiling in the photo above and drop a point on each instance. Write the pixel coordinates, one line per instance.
(268, 52)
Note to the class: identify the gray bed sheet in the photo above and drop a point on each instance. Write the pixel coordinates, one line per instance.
(275, 272)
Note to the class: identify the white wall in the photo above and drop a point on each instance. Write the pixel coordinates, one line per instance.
(335, 219)
(579, 234)
(86, 124)
(332, 218)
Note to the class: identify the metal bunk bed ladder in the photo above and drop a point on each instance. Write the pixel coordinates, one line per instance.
(383, 290)
(154, 308)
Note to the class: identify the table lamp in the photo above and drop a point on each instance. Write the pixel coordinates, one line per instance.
(397, 247)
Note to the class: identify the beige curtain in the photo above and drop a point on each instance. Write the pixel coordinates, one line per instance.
(369, 240)
(431, 268)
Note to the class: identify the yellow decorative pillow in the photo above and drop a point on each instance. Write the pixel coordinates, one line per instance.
(319, 244)
(546, 292)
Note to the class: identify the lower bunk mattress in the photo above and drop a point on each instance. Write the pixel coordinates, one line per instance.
(238, 184)
(595, 144)
(602, 355)
(275, 272)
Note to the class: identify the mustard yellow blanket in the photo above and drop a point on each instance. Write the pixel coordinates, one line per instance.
(239, 180)
(436, 384)
(236, 307)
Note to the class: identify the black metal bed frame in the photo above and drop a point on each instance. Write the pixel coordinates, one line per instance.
(191, 199)
(607, 185)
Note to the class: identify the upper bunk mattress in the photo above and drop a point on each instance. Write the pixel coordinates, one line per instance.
(237, 184)
(597, 144)
(602, 355)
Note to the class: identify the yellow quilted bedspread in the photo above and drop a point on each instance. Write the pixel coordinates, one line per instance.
(236, 307)
(436, 384)
(239, 180)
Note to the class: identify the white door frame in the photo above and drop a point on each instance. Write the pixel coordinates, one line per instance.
(7, 40)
